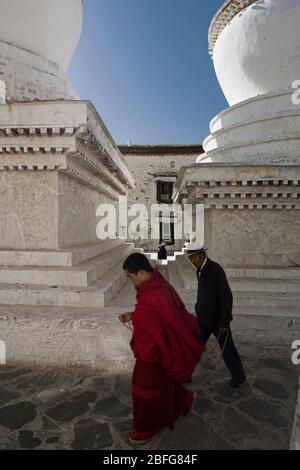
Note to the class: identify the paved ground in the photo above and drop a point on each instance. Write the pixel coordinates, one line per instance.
(79, 409)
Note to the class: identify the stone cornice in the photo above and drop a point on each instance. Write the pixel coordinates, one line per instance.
(70, 137)
(241, 187)
(103, 138)
(223, 16)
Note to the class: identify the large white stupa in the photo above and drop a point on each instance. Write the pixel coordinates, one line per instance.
(255, 48)
(58, 163)
(248, 179)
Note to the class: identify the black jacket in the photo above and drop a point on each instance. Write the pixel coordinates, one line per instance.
(214, 299)
(162, 253)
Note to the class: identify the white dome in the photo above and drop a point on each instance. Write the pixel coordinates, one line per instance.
(257, 52)
(49, 28)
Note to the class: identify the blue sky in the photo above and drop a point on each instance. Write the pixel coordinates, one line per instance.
(145, 66)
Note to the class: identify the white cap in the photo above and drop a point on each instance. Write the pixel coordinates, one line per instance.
(192, 248)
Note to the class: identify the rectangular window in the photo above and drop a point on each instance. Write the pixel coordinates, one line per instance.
(164, 192)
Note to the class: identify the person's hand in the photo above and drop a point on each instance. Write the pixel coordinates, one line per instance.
(223, 330)
(125, 317)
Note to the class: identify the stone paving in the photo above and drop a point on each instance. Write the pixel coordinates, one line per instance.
(82, 409)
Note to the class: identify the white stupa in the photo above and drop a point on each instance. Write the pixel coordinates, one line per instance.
(255, 48)
(37, 41)
(58, 164)
(248, 179)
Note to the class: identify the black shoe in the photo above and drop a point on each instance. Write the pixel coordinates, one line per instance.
(236, 383)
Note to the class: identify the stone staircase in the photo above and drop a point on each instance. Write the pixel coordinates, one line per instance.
(85, 277)
(252, 286)
(263, 298)
(56, 306)
(266, 301)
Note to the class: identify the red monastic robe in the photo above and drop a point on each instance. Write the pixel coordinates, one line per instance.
(166, 345)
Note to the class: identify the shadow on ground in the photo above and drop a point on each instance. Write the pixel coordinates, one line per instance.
(81, 409)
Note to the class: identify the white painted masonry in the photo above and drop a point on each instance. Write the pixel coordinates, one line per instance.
(257, 52)
(37, 41)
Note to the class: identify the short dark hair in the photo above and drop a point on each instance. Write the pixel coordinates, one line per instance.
(136, 262)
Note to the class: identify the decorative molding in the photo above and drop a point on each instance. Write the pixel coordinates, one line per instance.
(77, 171)
(26, 162)
(72, 150)
(93, 162)
(251, 206)
(247, 194)
(68, 130)
(254, 187)
(104, 143)
(223, 16)
(244, 183)
(31, 140)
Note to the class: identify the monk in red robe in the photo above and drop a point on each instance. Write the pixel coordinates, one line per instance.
(166, 345)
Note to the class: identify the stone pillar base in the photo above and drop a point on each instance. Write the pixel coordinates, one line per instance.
(29, 77)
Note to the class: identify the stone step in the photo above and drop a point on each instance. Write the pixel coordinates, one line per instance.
(95, 296)
(111, 283)
(265, 285)
(77, 276)
(258, 299)
(174, 276)
(154, 256)
(267, 273)
(242, 292)
(87, 252)
(266, 280)
(267, 311)
(58, 258)
(163, 269)
(186, 272)
(262, 299)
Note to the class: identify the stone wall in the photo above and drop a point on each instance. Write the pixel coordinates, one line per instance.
(55, 170)
(95, 341)
(59, 211)
(32, 222)
(77, 220)
(262, 238)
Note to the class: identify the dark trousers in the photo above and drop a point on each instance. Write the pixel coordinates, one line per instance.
(231, 356)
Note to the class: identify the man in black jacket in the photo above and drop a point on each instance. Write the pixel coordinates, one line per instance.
(214, 309)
